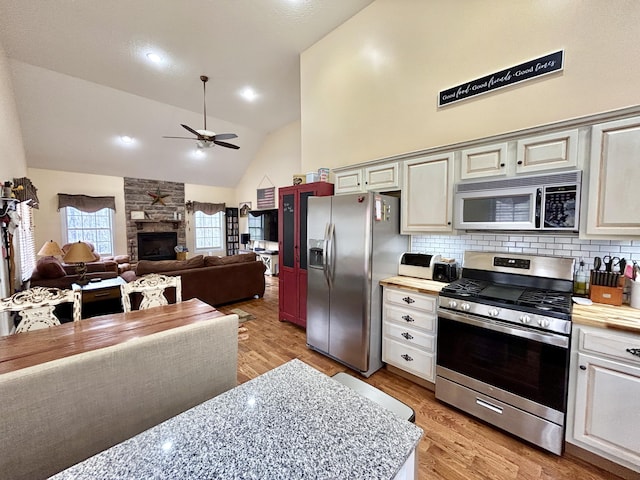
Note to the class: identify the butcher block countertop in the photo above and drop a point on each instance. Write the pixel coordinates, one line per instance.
(621, 317)
(416, 284)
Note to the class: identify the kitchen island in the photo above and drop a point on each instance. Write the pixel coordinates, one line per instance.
(291, 422)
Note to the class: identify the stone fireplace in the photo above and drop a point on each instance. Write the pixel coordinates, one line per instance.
(163, 207)
(157, 245)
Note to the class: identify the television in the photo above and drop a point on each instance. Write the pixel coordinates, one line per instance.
(263, 225)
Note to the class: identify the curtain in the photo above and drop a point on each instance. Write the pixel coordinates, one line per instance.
(208, 208)
(28, 191)
(85, 203)
(26, 241)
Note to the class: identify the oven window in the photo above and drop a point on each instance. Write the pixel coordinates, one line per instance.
(527, 368)
(508, 209)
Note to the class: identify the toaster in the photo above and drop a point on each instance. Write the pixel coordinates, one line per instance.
(445, 271)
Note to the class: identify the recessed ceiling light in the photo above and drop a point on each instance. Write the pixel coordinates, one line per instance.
(126, 139)
(249, 94)
(154, 57)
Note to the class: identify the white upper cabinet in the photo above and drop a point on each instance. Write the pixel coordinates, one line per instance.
(546, 152)
(614, 178)
(427, 194)
(551, 151)
(484, 161)
(378, 178)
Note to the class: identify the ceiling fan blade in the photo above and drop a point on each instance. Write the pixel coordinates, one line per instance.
(225, 136)
(188, 128)
(185, 138)
(225, 144)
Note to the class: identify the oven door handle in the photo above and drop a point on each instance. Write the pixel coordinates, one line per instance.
(496, 326)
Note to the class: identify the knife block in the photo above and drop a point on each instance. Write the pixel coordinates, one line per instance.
(608, 295)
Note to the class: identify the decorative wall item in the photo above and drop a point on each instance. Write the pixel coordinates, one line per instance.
(137, 214)
(538, 67)
(158, 197)
(266, 197)
(245, 208)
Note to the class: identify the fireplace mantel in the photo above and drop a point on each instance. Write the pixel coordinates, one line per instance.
(140, 223)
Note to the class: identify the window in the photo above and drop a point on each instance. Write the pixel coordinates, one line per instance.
(256, 227)
(92, 227)
(208, 231)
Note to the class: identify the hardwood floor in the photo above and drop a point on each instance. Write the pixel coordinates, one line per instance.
(454, 445)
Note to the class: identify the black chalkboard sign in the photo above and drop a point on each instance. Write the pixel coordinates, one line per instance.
(550, 63)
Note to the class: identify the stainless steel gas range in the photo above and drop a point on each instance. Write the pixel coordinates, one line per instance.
(503, 343)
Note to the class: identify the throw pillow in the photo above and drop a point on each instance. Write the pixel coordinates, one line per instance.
(50, 267)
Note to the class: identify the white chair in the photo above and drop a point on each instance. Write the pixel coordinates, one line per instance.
(152, 287)
(35, 306)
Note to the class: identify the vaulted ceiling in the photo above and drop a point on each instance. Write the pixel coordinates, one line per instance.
(82, 80)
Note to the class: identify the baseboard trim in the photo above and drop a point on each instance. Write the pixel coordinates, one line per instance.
(409, 376)
(598, 461)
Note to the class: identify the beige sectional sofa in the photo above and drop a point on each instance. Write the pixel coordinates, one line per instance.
(59, 413)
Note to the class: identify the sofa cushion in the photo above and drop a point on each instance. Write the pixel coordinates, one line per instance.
(50, 267)
(150, 266)
(239, 258)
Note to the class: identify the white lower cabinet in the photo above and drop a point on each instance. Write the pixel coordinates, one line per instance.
(604, 394)
(409, 331)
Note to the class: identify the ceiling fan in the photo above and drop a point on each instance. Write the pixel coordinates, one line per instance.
(206, 138)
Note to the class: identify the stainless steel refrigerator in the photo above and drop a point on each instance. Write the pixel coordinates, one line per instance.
(353, 242)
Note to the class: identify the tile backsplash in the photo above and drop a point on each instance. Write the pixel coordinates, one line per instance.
(454, 246)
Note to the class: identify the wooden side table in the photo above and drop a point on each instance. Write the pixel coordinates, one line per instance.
(100, 298)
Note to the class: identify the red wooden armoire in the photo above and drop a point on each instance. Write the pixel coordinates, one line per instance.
(292, 248)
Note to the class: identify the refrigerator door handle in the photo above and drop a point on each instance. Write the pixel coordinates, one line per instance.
(330, 261)
(325, 254)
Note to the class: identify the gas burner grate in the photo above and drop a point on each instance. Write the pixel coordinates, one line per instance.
(465, 287)
(546, 300)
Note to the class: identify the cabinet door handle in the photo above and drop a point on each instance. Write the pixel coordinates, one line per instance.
(501, 165)
(407, 318)
(407, 335)
(582, 367)
(407, 357)
(520, 162)
(634, 351)
(409, 300)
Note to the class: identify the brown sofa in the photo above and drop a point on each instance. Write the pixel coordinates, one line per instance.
(50, 272)
(214, 280)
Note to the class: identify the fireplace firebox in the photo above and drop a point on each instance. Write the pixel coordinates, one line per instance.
(157, 245)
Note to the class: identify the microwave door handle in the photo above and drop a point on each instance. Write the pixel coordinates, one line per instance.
(538, 207)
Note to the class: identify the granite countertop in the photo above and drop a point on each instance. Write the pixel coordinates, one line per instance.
(621, 317)
(412, 283)
(291, 422)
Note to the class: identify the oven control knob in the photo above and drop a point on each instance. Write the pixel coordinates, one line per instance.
(525, 318)
(544, 322)
(465, 307)
(494, 312)
(453, 304)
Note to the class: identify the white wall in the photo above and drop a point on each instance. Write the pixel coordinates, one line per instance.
(204, 193)
(369, 88)
(274, 165)
(48, 223)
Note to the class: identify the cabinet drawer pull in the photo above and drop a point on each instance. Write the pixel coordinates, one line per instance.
(634, 351)
(407, 357)
(103, 294)
(408, 318)
(409, 300)
(407, 335)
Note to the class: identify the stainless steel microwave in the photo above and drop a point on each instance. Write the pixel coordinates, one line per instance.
(537, 202)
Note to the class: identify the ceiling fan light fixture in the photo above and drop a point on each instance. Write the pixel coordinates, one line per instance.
(206, 133)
